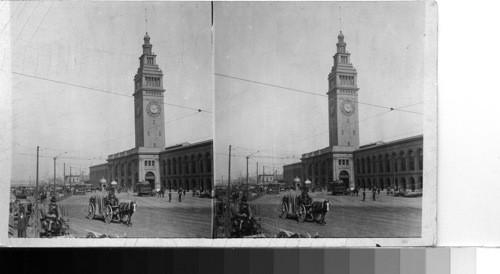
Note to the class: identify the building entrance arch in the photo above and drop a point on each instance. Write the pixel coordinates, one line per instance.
(344, 177)
(150, 178)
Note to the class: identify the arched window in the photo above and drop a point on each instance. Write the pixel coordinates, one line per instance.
(186, 165)
(374, 165)
(420, 159)
(387, 163)
(200, 160)
(169, 168)
(179, 165)
(395, 161)
(193, 164)
(209, 162)
(174, 166)
(380, 164)
(362, 165)
(368, 165)
(402, 158)
(412, 160)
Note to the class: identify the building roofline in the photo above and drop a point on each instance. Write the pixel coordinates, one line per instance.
(383, 144)
(186, 145)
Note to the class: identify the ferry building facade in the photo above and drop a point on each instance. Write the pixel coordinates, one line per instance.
(396, 164)
(146, 161)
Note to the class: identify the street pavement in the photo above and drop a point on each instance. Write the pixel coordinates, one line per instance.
(349, 217)
(154, 218)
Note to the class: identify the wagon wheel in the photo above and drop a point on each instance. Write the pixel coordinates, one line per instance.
(284, 211)
(282, 235)
(108, 215)
(90, 235)
(91, 213)
(301, 215)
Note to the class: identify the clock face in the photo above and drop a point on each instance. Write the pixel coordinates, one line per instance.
(348, 108)
(154, 109)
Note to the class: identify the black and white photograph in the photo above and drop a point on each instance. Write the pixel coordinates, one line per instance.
(325, 120)
(111, 119)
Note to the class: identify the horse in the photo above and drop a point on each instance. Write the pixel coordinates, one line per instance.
(127, 209)
(319, 210)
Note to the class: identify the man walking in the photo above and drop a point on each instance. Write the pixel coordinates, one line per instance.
(170, 196)
(180, 196)
(364, 195)
(22, 223)
(374, 192)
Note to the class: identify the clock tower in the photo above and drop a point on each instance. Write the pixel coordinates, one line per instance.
(343, 115)
(148, 100)
(343, 99)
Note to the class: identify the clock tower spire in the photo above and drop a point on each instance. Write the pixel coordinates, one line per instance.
(343, 99)
(148, 100)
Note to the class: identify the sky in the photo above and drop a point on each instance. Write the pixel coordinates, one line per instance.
(292, 45)
(88, 50)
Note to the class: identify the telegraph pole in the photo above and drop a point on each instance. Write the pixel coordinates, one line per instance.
(64, 175)
(54, 191)
(70, 177)
(228, 194)
(36, 194)
(229, 170)
(247, 173)
(257, 175)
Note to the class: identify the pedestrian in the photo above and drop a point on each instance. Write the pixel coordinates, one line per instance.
(374, 192)
(22, 223)
(364, 195)
(180, 196)
(170, 196)
(378, 190)
(184, 192)
(194, 191)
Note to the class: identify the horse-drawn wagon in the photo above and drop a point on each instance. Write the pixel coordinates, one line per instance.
(110, 209)
(303, 208)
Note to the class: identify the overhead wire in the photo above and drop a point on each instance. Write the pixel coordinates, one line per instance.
(103, 91)
(309, 92)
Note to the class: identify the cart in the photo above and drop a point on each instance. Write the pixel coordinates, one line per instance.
(102, 207)
(304, 209)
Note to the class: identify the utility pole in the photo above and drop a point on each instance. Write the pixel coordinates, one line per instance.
(54, 191)
(64, 175)
(229, 171)
(257, 175)
(36, 194)
(247, 173)
(228, 194)
(70, 178)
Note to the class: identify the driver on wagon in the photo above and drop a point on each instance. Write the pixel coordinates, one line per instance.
(244, 211)
(112, 198)
(52, 213)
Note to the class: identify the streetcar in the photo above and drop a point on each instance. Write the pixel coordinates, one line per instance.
(338, 188)
(144, 189)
